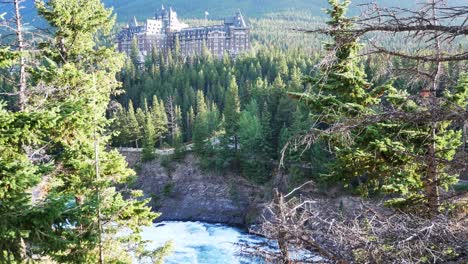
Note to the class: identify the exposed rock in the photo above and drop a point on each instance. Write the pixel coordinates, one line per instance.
(184, 192)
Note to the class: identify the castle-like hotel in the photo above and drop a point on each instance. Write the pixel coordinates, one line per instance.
(163, 31)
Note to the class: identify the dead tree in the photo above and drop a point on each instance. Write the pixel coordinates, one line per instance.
(22, 72)
(282, 233)
(15, 26)
(351, 230)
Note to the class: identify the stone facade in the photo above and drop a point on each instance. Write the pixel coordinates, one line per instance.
(164, 31)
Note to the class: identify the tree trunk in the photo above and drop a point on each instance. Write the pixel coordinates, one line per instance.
(21, 84)
(431, 182)
(21, 48)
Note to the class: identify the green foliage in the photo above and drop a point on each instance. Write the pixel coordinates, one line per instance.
(57, 176)
(168, 190)
(232, 110)
(132, 124)
(148, 139)
(135, 52)
(19, 174)
(159, 117)
(208, 96)
(381, 156)
(231, 122)
(251, 8)
(7, 57)
(200, 129)
(253, 164)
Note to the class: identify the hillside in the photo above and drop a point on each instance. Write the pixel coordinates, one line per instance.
(218, 9)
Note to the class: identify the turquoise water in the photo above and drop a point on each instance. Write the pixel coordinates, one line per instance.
(202, 243)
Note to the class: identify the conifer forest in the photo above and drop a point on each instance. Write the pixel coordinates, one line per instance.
(329, 132)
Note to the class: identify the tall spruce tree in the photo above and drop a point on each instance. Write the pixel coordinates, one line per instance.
(232, 116)
(250, 138)
(200, 126)
(382, 155)
(21, 215)
(133, 126)
(81, 172)
(135, 53)
(341, 92)
(148, 138)
(159, 118)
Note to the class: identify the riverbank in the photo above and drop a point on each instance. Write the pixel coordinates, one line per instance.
(182, 191)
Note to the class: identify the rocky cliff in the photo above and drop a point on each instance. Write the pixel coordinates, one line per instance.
(182, 191)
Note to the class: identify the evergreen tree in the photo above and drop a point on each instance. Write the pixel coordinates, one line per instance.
(251, 136)
(189, 123)
(133, 126)
(177, 54)
(375, 157)
(21, 216)
(200, 126)
(159, 118)
(148, 138)
(121, 127)
(140, 116)
(267, 135)
(232, 116)
(296, 83)
(173, 116)
(342, 92)
(135, 52)
(201, 103)
(83, 173)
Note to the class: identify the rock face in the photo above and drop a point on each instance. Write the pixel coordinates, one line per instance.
(181, 191)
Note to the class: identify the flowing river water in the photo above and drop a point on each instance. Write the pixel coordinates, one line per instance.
(203, 243)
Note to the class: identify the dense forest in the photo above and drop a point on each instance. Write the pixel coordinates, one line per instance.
(58, 200)
(172, 91)
(199, 98)
(372, 108)
(143, 9)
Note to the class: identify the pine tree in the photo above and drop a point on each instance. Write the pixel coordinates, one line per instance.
(173, 118)
(21, 216)
(133, 125)
(296, 83)
(251, 137)
(231, 117)
(342, 92)
(84, 171)
(267, 135)
(189, 123)
(200, 126)
(135, 52)
(177, 54)
(159, 117)
(120, 126)
(375, 158)
(148, 138)
(177, 142)
(140, 116)
(201, 103)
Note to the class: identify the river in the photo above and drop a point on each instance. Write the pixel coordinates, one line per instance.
(202, 243)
